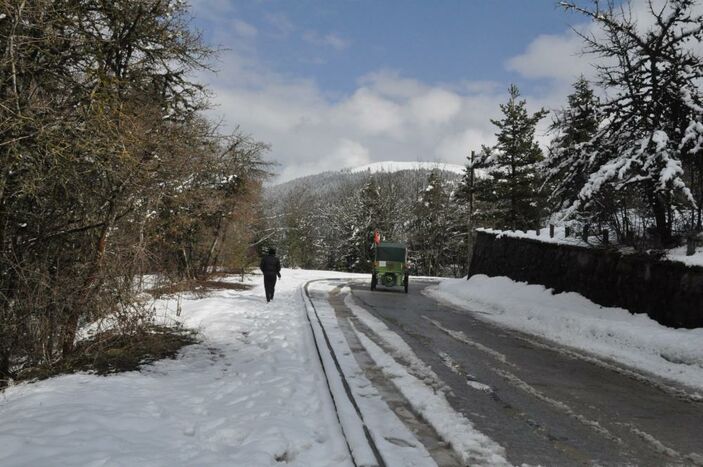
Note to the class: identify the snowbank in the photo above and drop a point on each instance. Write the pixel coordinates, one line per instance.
(574, 321)
(559, 236)
(679, 255)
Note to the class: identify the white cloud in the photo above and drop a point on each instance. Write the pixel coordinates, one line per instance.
(244, 29)
(463, 143)
(372, 113)
(435, 107)
(558, 57)
(389, 116)
(349, 154)
(326, 40)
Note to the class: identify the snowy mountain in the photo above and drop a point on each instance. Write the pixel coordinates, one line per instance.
(393, 166)
(330, 181)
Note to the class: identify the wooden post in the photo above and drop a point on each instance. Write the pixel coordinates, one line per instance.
(690, 245)
(537, 231)
(567, 231)
(470, 218)
(584, 233)
(606, 237)
(551, 230)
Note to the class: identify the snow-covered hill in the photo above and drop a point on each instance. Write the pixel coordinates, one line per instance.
(394, 166)
(331, 181)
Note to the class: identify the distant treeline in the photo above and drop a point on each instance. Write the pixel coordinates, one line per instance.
(327, 221)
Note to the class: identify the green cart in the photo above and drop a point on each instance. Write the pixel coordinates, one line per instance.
(390, 266)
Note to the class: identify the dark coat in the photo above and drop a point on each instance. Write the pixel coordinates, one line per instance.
(270, 265)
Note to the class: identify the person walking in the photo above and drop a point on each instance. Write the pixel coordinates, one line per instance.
(271, 267)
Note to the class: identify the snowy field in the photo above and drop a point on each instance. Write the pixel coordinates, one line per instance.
(570, 319)
(252, 394)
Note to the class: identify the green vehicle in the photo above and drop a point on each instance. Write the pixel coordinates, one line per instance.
(390, 267)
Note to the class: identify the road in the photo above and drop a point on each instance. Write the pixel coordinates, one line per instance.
(543, 404)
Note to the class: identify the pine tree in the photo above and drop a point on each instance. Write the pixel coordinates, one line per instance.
(430, 227)
(568, 163)
(513, 182)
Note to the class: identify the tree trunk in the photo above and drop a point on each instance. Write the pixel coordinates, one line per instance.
(213, 245)
(662, 226)
(89, 289)
(4, 368)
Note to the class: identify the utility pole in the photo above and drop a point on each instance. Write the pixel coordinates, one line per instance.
(470, 218)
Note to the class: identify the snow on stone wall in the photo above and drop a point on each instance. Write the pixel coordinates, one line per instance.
(669, 292)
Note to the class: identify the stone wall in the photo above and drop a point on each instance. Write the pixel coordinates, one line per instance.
(670, 293)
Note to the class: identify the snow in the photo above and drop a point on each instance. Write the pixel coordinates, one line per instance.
(251, 393)
(559, 238)
(679, 255)
(254, 392)
(379, 419)
(473, 447)
(392, 166)
(571, 320)
(401, 350)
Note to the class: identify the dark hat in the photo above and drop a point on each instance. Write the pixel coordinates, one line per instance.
(272, 251)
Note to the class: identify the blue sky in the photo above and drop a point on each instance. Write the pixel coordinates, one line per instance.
(333, 84)
(335, 42)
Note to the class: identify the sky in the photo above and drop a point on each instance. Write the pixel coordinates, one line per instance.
(332, 84)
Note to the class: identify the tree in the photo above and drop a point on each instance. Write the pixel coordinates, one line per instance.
(568, 162)
(431, 227)
(513, 181)
(653, 75)
(102, 140)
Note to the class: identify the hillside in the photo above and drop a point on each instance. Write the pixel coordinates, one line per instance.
(331, 181)
(323, 221)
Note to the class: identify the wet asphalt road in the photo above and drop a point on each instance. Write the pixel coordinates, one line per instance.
(544, 405)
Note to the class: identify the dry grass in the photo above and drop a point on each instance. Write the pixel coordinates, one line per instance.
(111, 352)
(198, 287)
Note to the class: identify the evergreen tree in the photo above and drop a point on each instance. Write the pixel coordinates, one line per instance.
(513, 182)
(430, 227)
(568, 162)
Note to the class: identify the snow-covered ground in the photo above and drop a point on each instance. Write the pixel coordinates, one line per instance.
(252, 394)
(679, 255)
(570, 319)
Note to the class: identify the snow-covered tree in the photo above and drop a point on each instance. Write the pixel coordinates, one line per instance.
(651, 74)
(568, 162)
(430, 232)
(511, 188)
